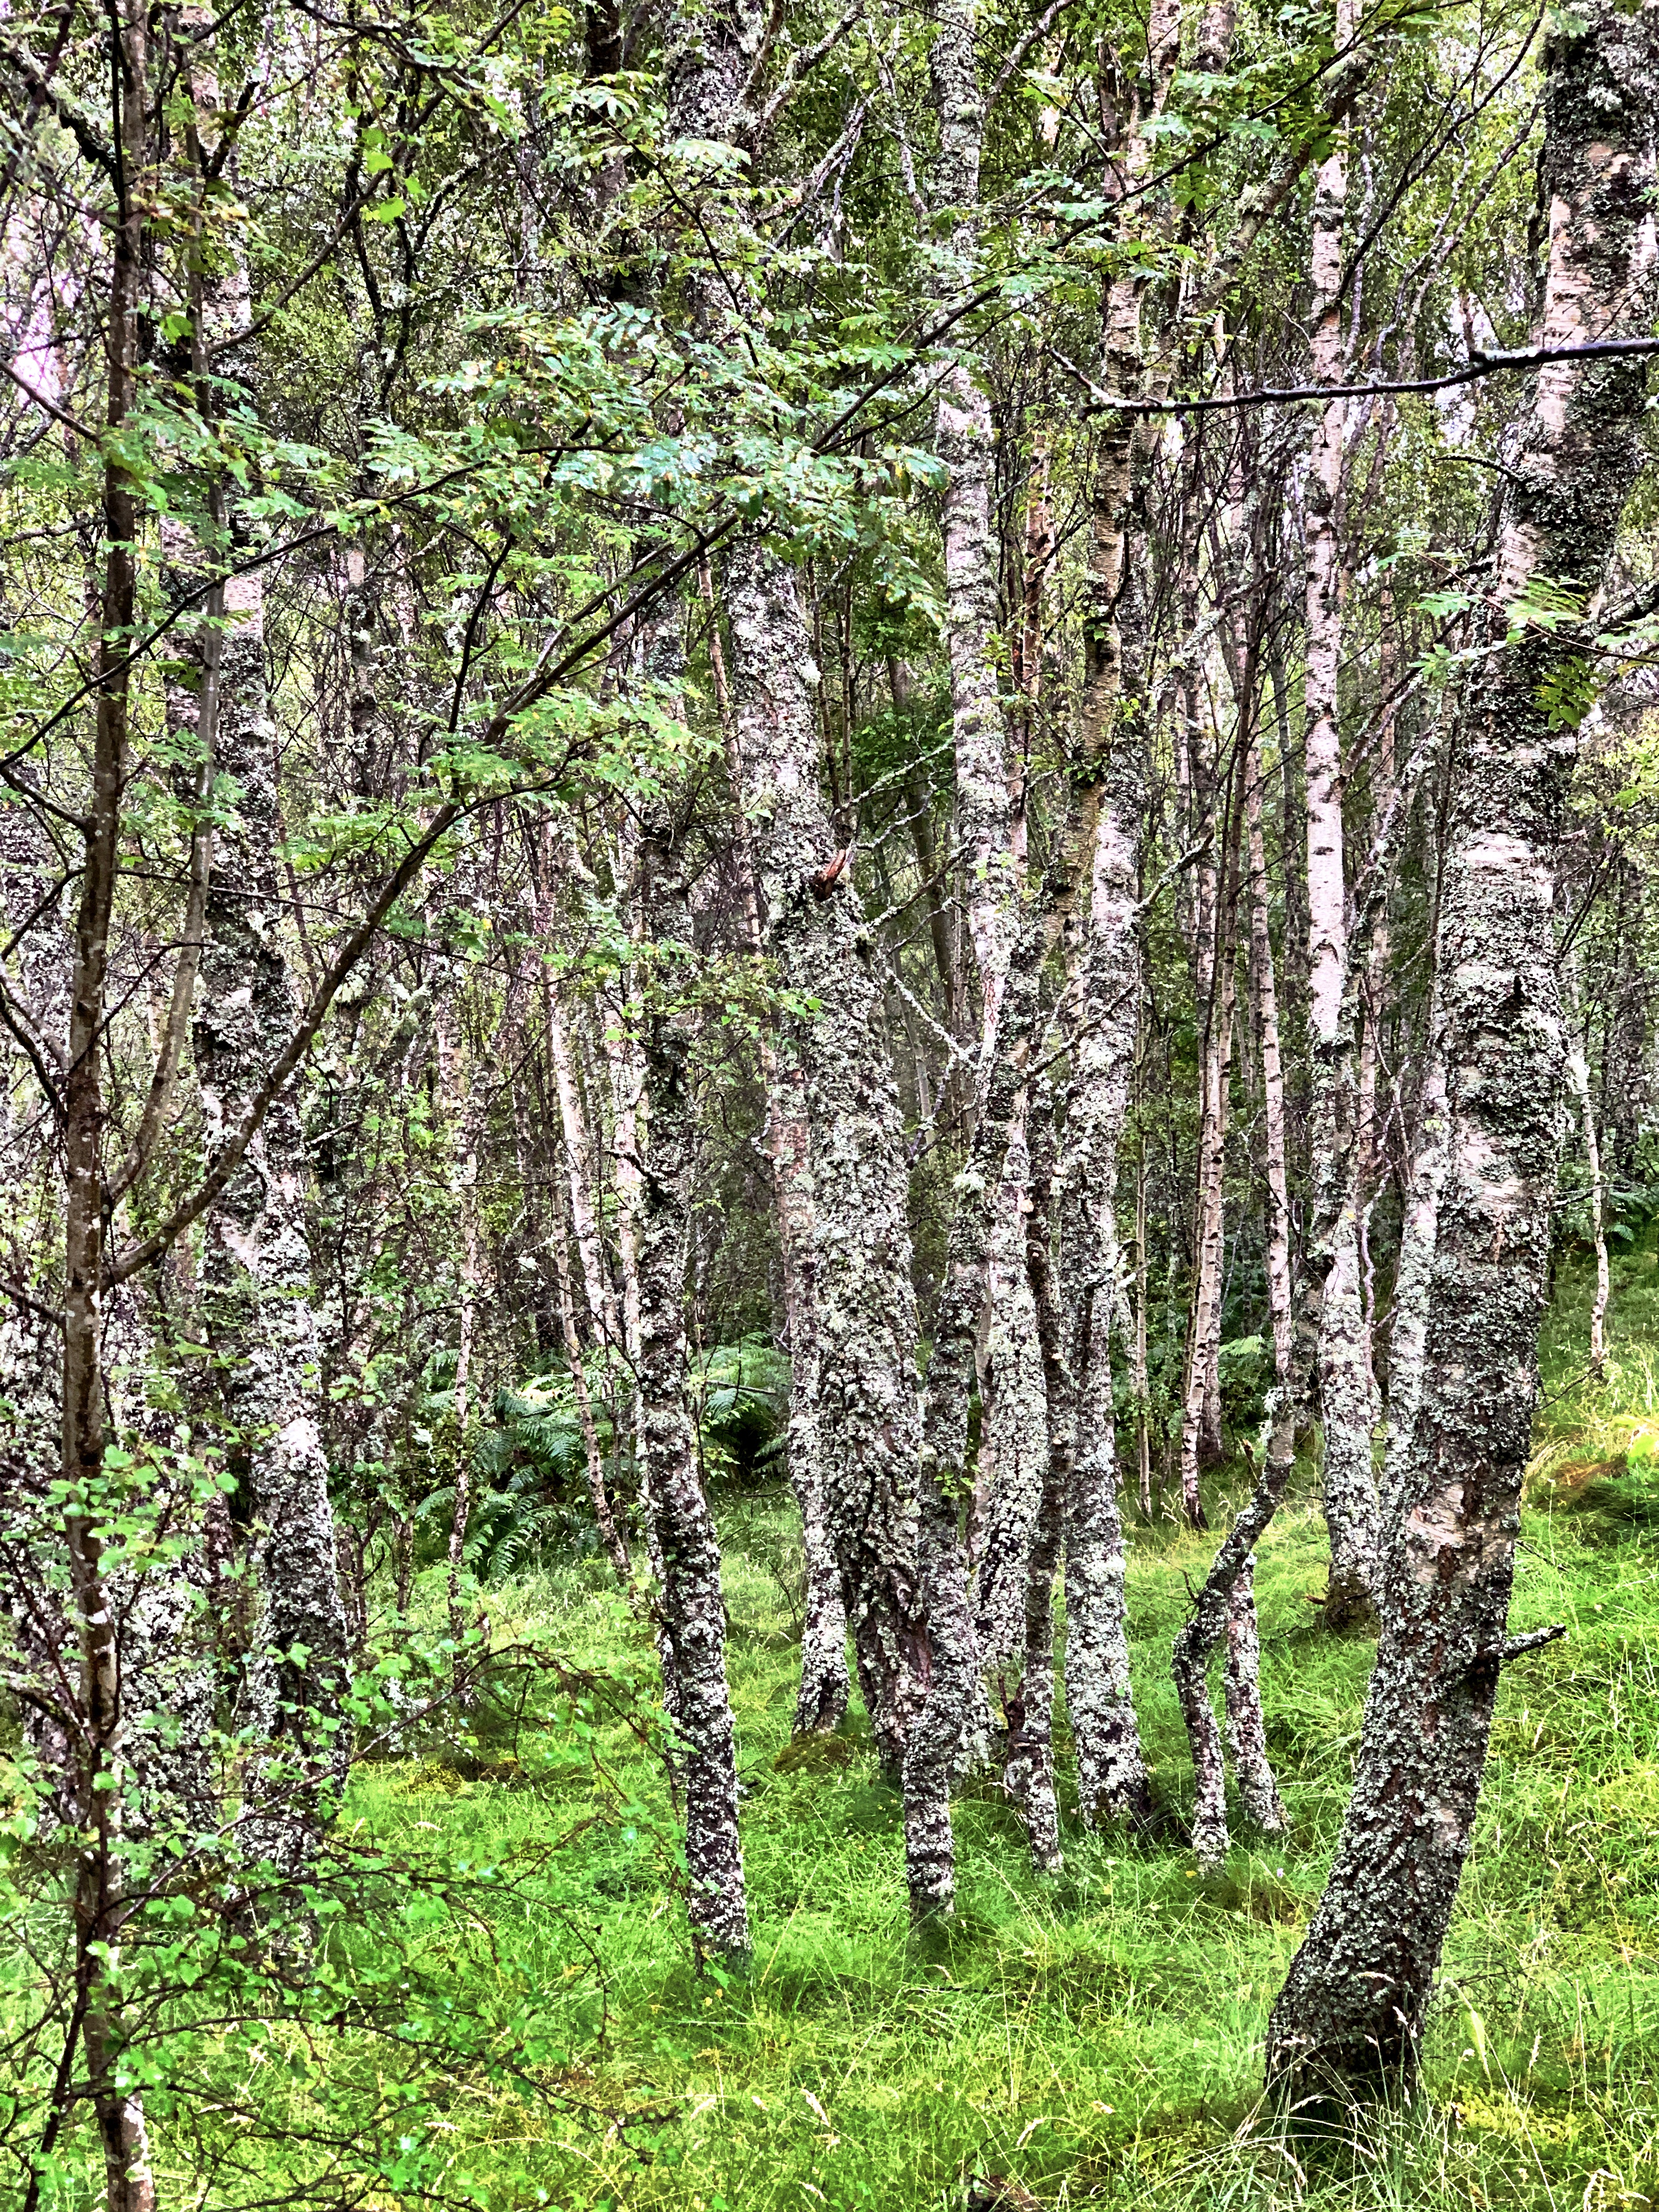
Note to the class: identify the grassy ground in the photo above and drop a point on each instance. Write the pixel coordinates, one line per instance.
(1098, 2036)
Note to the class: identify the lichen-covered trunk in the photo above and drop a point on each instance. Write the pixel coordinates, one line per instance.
(966, 444)
(1246, 1728)
(1030, 1776)
(256, 1278)
(1111, 1768)
(864, 1303)
(820, 1700)
(1351, 2014)
(1013, 1451)
(692, 1612)
(952, 1729)
(1204, 1334)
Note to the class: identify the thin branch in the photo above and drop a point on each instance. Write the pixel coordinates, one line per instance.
(1534, 1642)
(57, 413)
(1477, 366)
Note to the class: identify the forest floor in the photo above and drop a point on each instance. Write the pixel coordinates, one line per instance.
(1098, 2036)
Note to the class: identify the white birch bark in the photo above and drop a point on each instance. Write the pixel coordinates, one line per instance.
(1334, 1291)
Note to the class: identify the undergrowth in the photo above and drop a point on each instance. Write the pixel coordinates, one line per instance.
(1095, 2038)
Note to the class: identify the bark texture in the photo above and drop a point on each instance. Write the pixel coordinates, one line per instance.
(256, 1273)
(691, 1609)
(1350, 2017)
(1099, 1701)
(1030, 1769)
(865, 1309)
(1336, 1310)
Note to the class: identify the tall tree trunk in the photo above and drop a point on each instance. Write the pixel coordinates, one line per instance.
(1209, 1257)
(1102, 832)
(98, 1901)
(1031, 1770)
(256, 1273)
(1111, 1768)
(1351, 2014)
(693, 1612)
(951, 1727)
(865, 1309)
(1333, 1289)
(822, 1698)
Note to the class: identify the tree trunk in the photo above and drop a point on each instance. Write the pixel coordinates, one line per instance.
(693, 1612)
(1578, 1081)
(98, 1901)
(1350, 2017)
(1111, 1768)
(1031, 1770)
(1204, 1339)
(951, 1730)
(1333, 1290)
(820, 1700)
(865, 1309)
(256, 1275)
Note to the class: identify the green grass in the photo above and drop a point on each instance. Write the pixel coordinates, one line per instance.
(1098, 2036)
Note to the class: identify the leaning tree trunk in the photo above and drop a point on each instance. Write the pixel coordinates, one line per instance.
(1351, 2014)
(691, 1611)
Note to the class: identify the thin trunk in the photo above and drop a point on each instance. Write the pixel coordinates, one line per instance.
(1031, 1768)
(1215, 1611)
(1350, 2018)
(1578, 1079)
(584, 1185)
(692, 1610)
(1204, 1338)
(458, 1093)
(99, 1910)
(1334, 1291)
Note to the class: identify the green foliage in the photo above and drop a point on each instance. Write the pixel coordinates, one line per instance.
(740, 1395)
